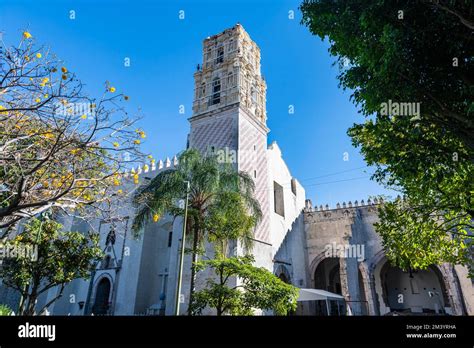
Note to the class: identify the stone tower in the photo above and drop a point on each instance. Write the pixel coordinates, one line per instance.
(229, 113)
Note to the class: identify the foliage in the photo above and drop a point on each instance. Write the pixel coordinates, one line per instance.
(61, 257)
(408, 56)
(256, 288)
(5, 310)
(228, 219)
(416, 238)
(59, 148)
(403, 51)
(211, 184)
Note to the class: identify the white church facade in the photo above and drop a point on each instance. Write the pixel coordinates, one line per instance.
(333, 249)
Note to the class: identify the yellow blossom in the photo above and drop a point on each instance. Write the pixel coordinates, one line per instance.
(142, 135)
(156, 217)
(27, 35)
(37, 100)
(119, 191)
(116, 182)
(38, 55)
(27, 58)
(64, 70)
(116, 144)
(136, 142)
(84, 116)
(112, 89)
(150, 156)
(45, 80)
(46, 96)
(145, 167)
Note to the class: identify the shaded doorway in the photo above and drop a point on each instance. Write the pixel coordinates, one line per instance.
(101, 303)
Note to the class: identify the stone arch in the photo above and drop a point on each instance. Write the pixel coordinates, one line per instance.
(314, 264)
(430, 285)
(283, 273)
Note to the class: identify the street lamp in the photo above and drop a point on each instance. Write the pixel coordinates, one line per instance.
(181, 256)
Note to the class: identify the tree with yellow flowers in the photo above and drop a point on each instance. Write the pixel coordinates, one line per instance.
(60, 149)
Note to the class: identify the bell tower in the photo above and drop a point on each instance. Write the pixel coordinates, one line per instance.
(229, 110)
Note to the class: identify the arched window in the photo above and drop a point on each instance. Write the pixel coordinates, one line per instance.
(106, 262)
(216, 91)
(230, 79)
(220, 55)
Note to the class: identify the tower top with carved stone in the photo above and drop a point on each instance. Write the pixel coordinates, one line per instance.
(230, 75)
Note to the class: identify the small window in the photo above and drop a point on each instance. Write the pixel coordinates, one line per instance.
(106, 262)
(216, 91)
(255, 147)
(203, 89)
(230, 79)
(170, 239)
(293, 186)
(220, 55)
(255, 174)
(278, 199)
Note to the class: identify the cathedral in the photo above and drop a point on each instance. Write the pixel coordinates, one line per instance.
(335, 249)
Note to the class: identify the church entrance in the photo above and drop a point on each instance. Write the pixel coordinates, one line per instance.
(327, 277)
(101, 303)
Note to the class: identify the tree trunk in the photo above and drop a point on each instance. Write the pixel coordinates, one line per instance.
(193, 268)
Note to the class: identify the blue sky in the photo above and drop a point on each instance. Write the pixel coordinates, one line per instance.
(164, 52)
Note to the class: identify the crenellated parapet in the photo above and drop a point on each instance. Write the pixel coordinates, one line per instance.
(153, 168)
(341, 211)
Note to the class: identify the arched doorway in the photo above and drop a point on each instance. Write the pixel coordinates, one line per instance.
(101, 303)
(327, 276)
(284, 278)
(417, 292)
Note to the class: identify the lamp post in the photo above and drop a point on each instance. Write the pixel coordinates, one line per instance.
(181, 256)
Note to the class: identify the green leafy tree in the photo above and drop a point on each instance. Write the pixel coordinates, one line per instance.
(405, 51)
(61, 257)
(256, 288)
(209, 182)
(228, 220)
(412, 52)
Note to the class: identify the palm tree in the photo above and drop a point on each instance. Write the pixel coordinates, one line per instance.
(210, 182)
